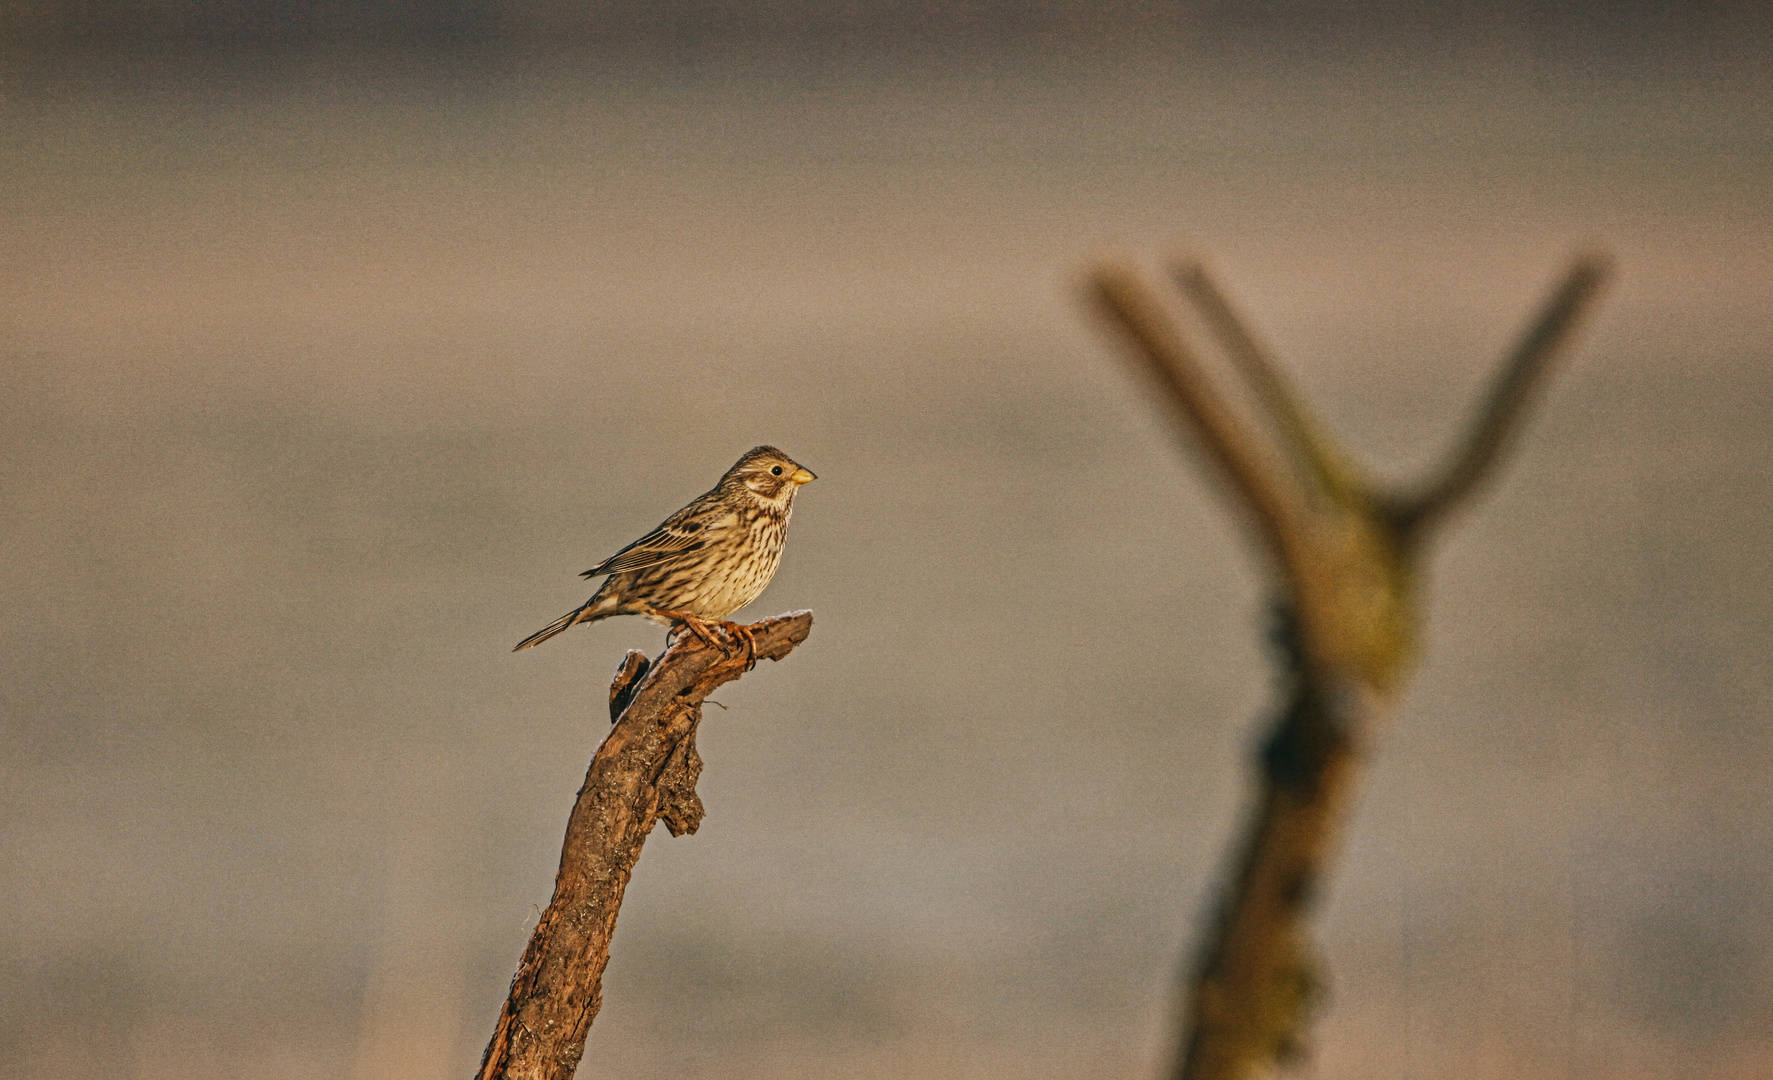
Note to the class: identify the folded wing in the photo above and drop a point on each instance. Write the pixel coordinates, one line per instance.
(672, 540)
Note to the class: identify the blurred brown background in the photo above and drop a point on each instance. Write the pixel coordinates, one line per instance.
(339, 337)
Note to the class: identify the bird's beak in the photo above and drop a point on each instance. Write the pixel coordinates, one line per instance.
(801, 476)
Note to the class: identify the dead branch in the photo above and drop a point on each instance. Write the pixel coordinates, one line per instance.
(644, 772)
(1347, 559)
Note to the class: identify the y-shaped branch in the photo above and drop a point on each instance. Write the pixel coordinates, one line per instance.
(1349, 606)
(644, 772)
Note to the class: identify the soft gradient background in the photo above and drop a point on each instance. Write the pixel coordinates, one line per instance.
(335, 339)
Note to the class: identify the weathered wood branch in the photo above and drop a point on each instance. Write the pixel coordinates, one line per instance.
(645, 772)
(1348, 604)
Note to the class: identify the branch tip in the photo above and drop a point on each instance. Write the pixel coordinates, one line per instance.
(1310, 446)
(1155, 339)
(1499, 419)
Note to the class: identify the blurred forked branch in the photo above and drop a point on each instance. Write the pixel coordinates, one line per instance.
(1346, 553)
(643, 773)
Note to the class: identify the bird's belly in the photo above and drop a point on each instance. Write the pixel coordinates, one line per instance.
(720, 594)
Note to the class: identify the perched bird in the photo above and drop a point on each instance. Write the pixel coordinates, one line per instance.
(704, 562)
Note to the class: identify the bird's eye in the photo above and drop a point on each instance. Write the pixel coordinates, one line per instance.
(776, 471)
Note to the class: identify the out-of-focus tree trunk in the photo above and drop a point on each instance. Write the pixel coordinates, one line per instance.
(1345, 555)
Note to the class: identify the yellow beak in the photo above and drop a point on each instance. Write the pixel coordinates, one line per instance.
(801, 476)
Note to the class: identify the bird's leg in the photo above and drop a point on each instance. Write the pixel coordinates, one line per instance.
(702, 630)
(694, 625)
(705, 630)
(743, 633)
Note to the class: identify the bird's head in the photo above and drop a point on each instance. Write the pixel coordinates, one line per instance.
(768, 474)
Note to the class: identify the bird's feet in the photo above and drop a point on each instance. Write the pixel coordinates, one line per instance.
(694, 625)
(710, 636)
(743, 633)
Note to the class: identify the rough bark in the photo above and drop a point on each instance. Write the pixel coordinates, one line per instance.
(645, 772)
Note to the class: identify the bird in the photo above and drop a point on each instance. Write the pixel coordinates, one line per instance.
(704, 562)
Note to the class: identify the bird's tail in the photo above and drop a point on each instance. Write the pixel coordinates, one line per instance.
(575, 615)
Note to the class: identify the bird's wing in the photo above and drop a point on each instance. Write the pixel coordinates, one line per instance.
(682, 533)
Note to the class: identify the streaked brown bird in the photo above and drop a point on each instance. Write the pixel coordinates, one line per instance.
(704, 562)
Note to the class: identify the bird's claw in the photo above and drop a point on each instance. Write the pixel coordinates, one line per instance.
(706, 632)
(743, 633)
